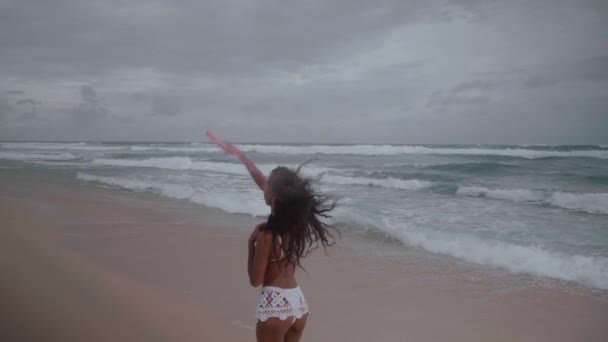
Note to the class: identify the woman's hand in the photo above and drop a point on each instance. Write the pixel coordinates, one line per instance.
(254, 234)
(225, 146)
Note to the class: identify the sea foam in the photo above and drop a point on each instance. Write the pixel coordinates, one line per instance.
(589, 270)
(36, 156)
(176, 163)
(390, 183)
(516, 195)
(592, 271)
(186, 163)
(592, 203)
(230, 202)
(177, 149)
(59, 146)
(376, 150)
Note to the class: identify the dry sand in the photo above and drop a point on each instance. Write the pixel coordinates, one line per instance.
(81, 263)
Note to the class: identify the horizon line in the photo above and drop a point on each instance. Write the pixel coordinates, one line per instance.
(293, 143)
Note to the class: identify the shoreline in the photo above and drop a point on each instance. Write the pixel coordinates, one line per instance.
(192, 259)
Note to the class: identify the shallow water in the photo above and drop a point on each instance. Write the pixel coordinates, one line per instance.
(540, 210)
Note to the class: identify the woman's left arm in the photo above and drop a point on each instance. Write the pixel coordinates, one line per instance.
(256, 174)
(250, 255)
(257, 260)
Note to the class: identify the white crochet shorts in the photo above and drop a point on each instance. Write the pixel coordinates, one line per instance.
(280, 303)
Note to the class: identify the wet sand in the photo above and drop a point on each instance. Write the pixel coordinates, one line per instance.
(87, 263)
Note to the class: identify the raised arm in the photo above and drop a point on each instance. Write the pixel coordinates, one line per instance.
(255, 173)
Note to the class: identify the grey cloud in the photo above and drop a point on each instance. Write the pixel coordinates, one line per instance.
(123, 120)
(536, 81)
(275, 70)
(163, 105)
(476, 85)
(258, 108)
(89, 110)
(597, 69)
(5, 107)
(29, 101)
(409, 65)
(12, 114)
(30, 117)
(15, 92)
(85, 114)
(442, 101)
(88, 94)
(69, 37)
(485, 86)
(470, 93)
(158, 104)
(273, 108)
(593, 69)
(139, 97)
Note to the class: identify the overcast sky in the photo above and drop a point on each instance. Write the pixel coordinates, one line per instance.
(354, 71)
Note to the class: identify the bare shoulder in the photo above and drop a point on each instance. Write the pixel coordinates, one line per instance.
(264, 237)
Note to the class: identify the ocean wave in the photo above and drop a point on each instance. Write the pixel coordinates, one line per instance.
(375, 150)
(592, 271)
(479, 168)
(199, 149)
(36, 156)
(516, 195)
(59, 146)
(186, 163)
(533, 152)
(234, 203)
(592, 203)
(391, 183)
(176, 163)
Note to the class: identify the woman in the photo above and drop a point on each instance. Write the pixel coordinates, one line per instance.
(277, 246)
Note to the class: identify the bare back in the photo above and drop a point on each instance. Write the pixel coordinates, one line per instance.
(279, 271)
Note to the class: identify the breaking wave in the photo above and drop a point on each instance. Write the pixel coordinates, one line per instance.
(229, 202)
(186, 163)
(374, 150)
(36, 156)
(593, 203)
(60, 146)
(391, 183)
(531, 259)
(592, 271)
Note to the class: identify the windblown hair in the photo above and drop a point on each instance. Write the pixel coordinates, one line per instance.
(298, 211)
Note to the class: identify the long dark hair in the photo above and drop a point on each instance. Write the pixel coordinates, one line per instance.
(297, 214)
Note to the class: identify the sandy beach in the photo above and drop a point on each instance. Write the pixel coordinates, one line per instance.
(82, 262)
(459, 147)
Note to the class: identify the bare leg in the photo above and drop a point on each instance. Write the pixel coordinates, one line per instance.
(272, 330)
(294, 333)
